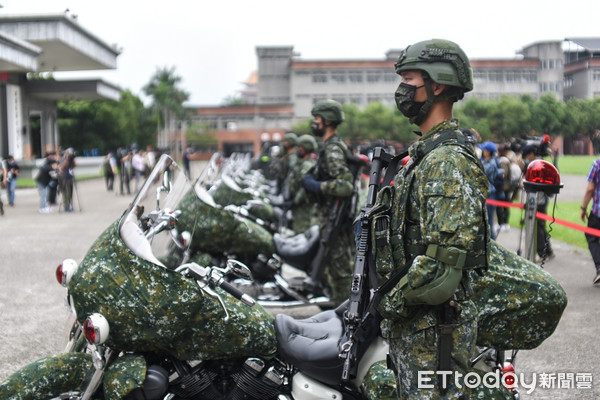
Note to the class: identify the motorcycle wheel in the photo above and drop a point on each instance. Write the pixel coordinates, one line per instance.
(50, 378)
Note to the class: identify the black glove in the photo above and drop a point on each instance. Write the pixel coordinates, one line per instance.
(311, 184)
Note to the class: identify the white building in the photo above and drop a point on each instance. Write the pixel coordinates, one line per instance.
(44, 44)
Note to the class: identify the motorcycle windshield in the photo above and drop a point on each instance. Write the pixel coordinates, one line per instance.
(159, 224)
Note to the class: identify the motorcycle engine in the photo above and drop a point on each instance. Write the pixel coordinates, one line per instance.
(255, 380)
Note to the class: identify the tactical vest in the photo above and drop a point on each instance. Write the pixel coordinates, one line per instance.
(321, 175)
(398, 240)
(354, 165)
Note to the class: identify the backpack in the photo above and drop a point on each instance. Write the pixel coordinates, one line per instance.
(107, 167)
(499, 177)
(515, 176)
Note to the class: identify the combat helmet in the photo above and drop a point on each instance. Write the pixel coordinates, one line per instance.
(329, 110)
(444, 61)
(291, 138)
(307, 142)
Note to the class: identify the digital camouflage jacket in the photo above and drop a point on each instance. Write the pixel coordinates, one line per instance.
(332, 169)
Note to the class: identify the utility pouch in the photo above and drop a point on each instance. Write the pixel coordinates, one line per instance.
(380, 231)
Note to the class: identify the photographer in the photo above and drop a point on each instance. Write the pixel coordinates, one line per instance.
(13, 170)
(3, 179)
(66, 178)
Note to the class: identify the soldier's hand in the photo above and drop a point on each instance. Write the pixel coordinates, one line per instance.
(311, 184)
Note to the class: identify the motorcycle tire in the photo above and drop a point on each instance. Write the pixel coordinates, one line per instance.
(48, 378)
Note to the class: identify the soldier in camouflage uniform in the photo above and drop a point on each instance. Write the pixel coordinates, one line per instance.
(437, 225)
(289, 159)
(304, 213)
(331, 181)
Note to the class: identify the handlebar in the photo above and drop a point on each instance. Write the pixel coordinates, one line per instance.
(237, 293)
(213, 277)
(166, 220)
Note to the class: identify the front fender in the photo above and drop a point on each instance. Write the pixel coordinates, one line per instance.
(48, 377)
(123, 376)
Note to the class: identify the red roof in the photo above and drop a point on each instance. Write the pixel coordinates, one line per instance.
(496, 63)
(245, 110)
(342, 64)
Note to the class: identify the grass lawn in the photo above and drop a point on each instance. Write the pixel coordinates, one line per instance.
(30, 182)
(568, 211)
(575, 165)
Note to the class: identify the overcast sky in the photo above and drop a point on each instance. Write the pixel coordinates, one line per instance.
(211, 43)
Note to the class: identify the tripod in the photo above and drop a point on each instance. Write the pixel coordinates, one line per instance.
(69, 190)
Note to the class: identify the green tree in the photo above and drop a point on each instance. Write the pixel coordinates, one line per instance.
(167, 102)
(509, 117)
(104, 125)
(200, 134)
(473, 113)
(302, 127)
(350, 129)
(548, 115)
(579, 118)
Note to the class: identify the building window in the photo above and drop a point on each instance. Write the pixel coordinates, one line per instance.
(340, 98)
(596, 75)
(568, 81)
(355, 77)
(391, 78)
(513, 76)
(373, 76)
(550, 64)
(338, 77)
(530, 76)
(319, 97)
(356, 99)
(319, 77)
(480, 76)
(495, 76)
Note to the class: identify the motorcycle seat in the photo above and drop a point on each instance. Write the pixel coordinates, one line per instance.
(312, 344)
(298, 250)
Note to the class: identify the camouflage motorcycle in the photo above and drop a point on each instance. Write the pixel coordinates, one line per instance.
(150, 322)
(284, 268)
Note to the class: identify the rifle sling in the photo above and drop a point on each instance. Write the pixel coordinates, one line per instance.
(392, 168)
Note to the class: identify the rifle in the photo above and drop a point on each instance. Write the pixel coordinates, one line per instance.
(360, 315)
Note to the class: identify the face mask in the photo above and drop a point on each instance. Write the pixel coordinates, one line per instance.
(405, 100)
(316, 131)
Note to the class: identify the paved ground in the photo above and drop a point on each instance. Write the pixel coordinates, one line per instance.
(33, 314)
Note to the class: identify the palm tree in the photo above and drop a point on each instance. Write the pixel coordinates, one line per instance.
(167, 102)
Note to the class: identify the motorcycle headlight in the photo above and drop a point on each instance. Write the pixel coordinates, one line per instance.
(96, 329)
(65, 271)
